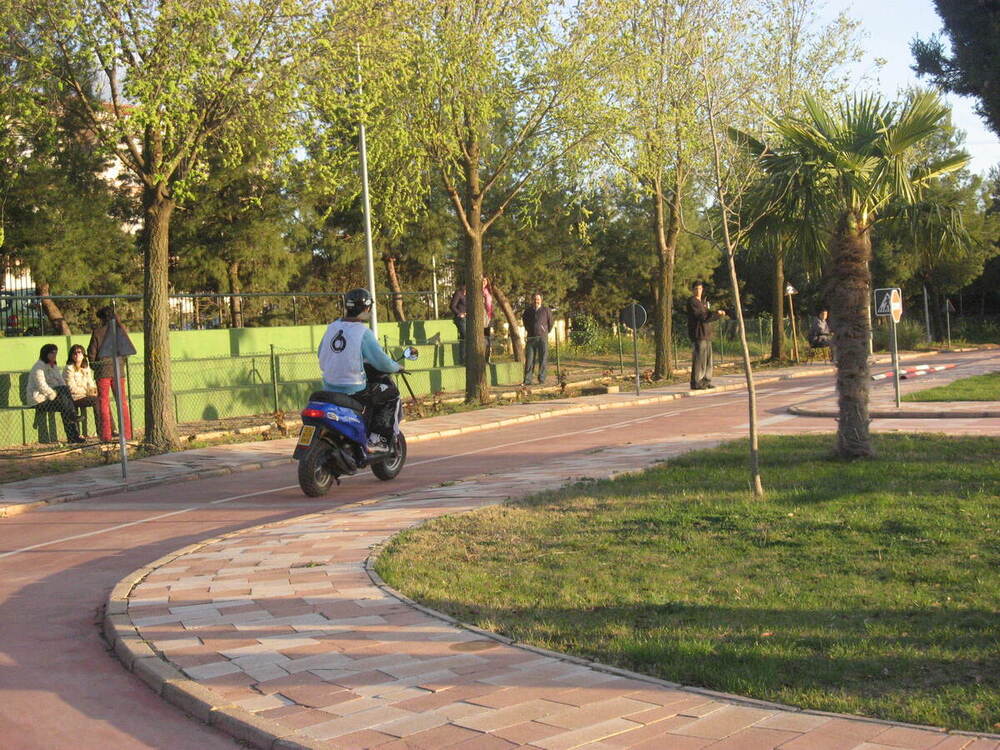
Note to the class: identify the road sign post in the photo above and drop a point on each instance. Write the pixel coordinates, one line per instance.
(117, 344)
(634, 316)
(889, 303)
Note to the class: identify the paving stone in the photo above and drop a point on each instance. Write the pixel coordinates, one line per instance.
(577, 737)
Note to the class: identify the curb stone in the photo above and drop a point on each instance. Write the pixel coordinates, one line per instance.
(805, 411)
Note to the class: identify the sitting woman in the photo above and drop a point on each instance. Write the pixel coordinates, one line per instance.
(46, 390)
(820, 334)
(79, 378)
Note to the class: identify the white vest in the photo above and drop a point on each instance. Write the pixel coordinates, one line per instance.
(340, 356)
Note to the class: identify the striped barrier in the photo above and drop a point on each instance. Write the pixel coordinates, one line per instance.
(913, 372)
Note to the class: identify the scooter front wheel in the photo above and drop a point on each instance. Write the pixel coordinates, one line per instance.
(393, 464)
(315, 476)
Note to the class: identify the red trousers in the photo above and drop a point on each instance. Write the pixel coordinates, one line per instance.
(104, 405)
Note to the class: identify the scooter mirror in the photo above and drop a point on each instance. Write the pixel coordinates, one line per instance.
(410, 352)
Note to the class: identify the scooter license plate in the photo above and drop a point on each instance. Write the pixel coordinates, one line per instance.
(306, 436)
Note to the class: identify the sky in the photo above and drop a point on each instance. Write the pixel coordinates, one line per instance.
(888, 27)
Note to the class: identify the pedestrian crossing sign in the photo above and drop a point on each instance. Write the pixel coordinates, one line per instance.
(889, 302)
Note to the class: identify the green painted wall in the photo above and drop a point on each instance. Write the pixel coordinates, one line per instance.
(227, 373)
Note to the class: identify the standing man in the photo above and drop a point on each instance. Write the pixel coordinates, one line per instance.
(537, 320)
(699, 320)
(457, 307)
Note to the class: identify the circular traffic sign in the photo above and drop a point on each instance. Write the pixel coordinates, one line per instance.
(633, 316)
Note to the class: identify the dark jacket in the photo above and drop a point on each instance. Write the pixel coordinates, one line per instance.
(105, 367)
(537, 323)
(699, 320)
(457, 304)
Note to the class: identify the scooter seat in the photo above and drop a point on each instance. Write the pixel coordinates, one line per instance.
(338, 399)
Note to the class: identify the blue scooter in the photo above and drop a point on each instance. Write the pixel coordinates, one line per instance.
(334, 438)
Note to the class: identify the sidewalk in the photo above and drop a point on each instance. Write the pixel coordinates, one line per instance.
(284, 637)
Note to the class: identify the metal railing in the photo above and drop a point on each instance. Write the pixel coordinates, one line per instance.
(25, 314)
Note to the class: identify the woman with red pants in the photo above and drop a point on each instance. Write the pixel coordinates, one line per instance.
(104, 369)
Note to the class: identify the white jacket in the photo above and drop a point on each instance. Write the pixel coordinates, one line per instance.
(81, 382)
(42, 382)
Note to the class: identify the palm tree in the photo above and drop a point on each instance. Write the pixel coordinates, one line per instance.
(846, 167)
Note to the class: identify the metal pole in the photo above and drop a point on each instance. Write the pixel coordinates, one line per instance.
(947, 320)
(434, 277)
(295, 312)
(369, 253)
(558, 367)
(895, 357)
(274, 379)
(621, 352)
(118, 392)
(795, 335)
(635, 352)
(927, 316)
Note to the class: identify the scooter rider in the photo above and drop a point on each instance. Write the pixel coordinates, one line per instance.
(347, 346)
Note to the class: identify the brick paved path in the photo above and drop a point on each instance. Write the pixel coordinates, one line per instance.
(299, 647)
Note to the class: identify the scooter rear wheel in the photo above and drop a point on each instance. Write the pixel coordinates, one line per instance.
(391, 466)
(315, 476)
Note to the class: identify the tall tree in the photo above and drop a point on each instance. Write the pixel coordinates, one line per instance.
(973, 31)
(177, 81)
(658, 137)
(796, 55)
(492, 85)
(859, 159)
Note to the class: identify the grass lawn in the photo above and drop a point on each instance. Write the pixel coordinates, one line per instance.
(869, 588)
(976, 388)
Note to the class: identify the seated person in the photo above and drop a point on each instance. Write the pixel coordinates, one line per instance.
(79, 377)
(46, 390)
(820, 334)
(347, 346)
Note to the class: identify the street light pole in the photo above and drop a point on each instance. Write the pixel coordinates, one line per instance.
(369, 254)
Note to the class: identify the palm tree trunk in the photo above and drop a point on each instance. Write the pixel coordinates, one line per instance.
(849, 291)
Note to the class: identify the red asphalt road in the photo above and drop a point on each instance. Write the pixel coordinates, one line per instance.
(60, 688)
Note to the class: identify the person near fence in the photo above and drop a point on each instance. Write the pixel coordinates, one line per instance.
(347, 346)
(104, 371)
(699, 323)
(457, 307)
(79, 377)
(537, 321)
(46, 390)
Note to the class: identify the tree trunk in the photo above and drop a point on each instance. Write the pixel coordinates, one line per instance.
(666, 228)
(395, 288)
(850, 288)
(235, 300)
(512, 321)
(52, 311)
(476, 387)
(778, 309)
(161, 422)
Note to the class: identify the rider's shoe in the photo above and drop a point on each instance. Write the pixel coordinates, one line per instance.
(377, 444)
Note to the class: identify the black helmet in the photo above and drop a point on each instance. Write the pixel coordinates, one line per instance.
(356, 302)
